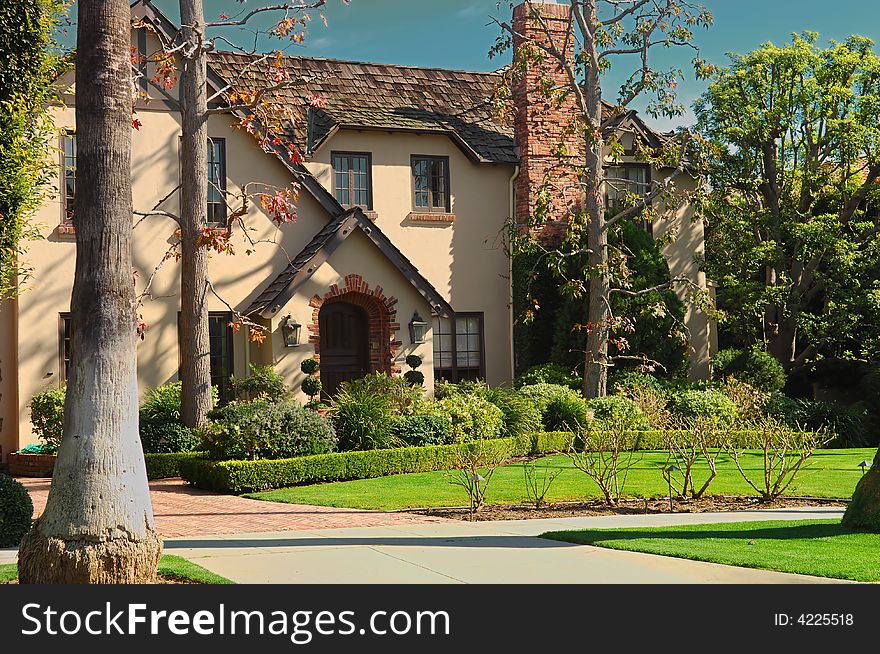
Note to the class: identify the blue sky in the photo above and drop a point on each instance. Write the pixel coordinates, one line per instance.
(459, 33)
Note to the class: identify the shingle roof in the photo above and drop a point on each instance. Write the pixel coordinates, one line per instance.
(319, 249)
(384, 96)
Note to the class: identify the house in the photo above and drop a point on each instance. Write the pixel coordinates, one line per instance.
(407, 192)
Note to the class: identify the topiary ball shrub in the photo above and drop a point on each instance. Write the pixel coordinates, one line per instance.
(259, 430)
(310, 366)
(618, 410)
(312, 386)
(47, 416)
(549, 373)
(165, 437)
(705, 404)
(414, 377)
(16, 511)
(753, 366)
(423, 430)
(413, 361)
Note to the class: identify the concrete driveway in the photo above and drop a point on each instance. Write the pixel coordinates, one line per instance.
(462, 552)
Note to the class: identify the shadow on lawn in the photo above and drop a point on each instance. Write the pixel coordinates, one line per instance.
(795, 532)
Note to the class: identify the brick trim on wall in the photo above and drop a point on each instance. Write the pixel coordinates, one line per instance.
(381, 314)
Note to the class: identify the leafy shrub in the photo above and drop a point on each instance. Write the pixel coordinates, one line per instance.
(404, 399)
(414, 377)
(16, 511)
(259, 430)
(521, 416)
(163, 402)
(312, 386)
(310, 366)
(784, 409)
(844, 424)
(363, 419)
(470, 417)
(567, 413)
(753, 366)
(541, 394)
(706, 404)
(163, 466)
(624, 381)
(549, 373)
(264, 383)
(423, 430)
(617, 410)
(47, 415)
(165, 436)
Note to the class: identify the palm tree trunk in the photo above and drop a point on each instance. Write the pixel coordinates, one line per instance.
(98, 524)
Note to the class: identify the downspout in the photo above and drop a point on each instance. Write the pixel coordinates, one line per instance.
(510, 309)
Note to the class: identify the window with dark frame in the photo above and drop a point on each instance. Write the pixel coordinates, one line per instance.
(430, 184)
(622, 181)
(221, 351)
(68, 147)
(352, 179)
(458, 347)
(64, 342)
(217, 181)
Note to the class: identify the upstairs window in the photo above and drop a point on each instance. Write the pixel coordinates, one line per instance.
(68, 173)
(430, 184)
(217, 181)
(352, 179)
(458, 347)
(623, 181)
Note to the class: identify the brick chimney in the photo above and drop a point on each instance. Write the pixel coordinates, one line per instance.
(540, 124)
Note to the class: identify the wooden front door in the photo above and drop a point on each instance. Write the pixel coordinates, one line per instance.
(345, 340)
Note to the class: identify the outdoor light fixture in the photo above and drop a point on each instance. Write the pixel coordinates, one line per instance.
(863, 465)
(290, 329)
(418, 328)
(477, 478)
(669, 471)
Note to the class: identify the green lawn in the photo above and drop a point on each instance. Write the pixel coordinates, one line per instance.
(830, 473)
(169, 566)
(813, 547)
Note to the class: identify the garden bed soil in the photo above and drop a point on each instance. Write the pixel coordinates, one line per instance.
(626, 507)
(162, 579)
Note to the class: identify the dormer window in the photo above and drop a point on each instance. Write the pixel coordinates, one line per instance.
(622, 181)
(352, 179)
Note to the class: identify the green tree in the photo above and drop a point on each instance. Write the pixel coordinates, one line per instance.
(620, 34)
(794, 137)
(29, 63)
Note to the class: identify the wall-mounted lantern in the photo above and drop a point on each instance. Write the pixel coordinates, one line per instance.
(418, 328)
(290, 329)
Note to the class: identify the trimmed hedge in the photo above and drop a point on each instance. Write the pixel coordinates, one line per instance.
(263, 474)
(163, 466)
(250, 476)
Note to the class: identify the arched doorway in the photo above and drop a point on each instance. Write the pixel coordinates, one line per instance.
(345, 343)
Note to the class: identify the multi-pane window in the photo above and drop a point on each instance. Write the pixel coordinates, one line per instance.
(220, 338)
(624, 181)
(216, 180)
(68, 145)
(430, 183)
(352, 184)
(458, 347)
(64, 341)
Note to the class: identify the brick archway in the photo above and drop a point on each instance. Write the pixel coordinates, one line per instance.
(382, 315)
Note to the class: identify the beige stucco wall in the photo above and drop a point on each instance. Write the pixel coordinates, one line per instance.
(464, 260)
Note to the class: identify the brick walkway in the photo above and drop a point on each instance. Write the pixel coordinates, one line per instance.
(182, 510)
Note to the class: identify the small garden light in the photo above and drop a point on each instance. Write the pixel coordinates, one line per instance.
(418, 328)
(669, 471)
(863, 465)
(290, 329)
